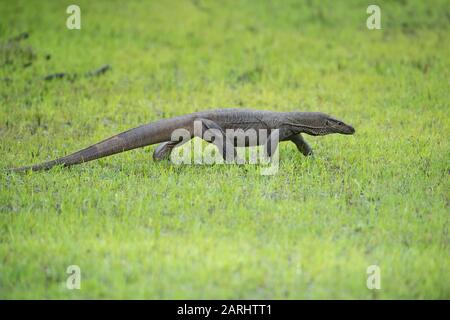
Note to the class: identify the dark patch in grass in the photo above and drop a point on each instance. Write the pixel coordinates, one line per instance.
(73, 76)
(251, 76)
(97, 72)
(60, 75)
(13, 52)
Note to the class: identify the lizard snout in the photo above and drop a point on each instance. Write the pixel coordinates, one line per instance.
(351, 130)
(346, 129)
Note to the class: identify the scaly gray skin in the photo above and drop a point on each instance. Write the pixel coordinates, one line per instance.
(290, 125)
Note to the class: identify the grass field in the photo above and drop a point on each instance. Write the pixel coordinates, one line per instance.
(142, 229)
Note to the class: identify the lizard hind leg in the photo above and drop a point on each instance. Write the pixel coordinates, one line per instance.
(163, 150)
(218, 137)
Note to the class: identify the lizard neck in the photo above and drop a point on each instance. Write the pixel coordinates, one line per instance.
(303, 122)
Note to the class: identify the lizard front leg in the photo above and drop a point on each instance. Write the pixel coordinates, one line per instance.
(274, 138)
(271, 144)
(301, 144)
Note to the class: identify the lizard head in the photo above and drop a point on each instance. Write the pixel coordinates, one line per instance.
(319, 124)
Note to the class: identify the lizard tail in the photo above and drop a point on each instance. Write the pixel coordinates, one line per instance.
(135, 138)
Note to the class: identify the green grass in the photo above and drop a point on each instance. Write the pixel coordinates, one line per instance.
(140, 229)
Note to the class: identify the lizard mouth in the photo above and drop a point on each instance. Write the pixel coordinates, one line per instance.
(318, 132)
